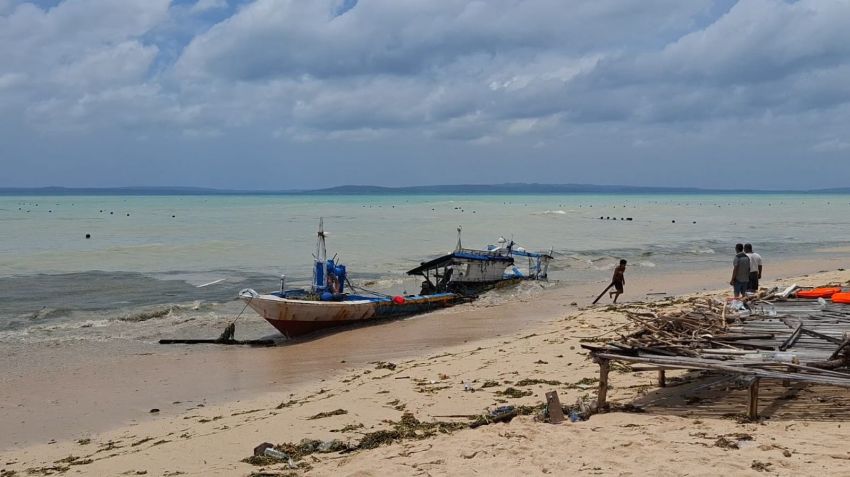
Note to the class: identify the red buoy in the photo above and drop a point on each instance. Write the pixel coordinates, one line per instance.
(398, 300)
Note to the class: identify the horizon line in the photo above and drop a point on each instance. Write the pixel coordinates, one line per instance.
(472, 189)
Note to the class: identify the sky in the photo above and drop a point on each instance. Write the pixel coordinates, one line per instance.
(295, 94)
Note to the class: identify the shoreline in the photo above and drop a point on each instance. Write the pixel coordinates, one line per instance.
(257, 382)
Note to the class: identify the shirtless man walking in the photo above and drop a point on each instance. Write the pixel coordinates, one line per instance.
(619, 280)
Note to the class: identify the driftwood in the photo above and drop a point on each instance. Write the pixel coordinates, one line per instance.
(775, 338)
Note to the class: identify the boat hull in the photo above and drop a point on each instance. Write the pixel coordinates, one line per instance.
(293, 317)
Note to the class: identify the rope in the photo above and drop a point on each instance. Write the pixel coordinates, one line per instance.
(243, 311)
(230, 330)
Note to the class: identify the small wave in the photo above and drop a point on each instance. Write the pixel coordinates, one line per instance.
(646, 263)
(703, 251)
(551, 212)
(149, 314)
(47, 313)
(163, 311)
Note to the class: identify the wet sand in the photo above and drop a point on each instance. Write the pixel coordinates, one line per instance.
(61, 396)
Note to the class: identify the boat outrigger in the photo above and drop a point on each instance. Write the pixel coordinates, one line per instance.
(329, 303)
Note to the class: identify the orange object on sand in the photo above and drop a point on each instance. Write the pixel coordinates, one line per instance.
(818, 293)
(843, 297)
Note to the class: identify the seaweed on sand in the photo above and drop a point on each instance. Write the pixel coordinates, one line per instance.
(408, 428)
(532, 382)
(514, 393)
(323, 415)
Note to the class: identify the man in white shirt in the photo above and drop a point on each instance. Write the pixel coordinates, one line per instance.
(755, 268)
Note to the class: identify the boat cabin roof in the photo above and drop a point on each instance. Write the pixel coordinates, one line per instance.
(460, 256)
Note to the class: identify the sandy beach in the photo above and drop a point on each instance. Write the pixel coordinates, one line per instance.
(93, 417)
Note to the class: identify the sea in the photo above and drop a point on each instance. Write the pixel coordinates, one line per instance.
(136, 268)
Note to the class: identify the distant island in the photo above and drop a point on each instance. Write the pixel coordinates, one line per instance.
(456, 189)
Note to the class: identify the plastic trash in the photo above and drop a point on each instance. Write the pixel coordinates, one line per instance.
(275, 454)
(468, 387)
(574, 416)
(282, 456)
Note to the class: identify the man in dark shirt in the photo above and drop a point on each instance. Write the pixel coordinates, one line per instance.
(740, 271)
(619, 280)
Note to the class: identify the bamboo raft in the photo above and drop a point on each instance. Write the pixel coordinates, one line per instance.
(776, 338)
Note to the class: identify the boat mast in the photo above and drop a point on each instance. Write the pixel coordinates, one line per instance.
(319, 279)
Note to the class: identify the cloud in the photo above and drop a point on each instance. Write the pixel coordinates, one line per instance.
(74, 51)
(206, 5)
(831, 145)
(500, 74)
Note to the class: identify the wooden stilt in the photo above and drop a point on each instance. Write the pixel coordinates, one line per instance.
(753, 411)
(602, 397)
(662, 379)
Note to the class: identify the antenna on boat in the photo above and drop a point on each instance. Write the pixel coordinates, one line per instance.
(458, 247)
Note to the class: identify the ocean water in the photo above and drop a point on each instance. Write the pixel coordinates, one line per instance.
(144, 268)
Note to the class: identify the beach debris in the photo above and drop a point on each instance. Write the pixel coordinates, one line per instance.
(385, 365)
(311, 446)
(515, 393)
(500, 414)
(226, 338)
(490, 384)
(48, 470)
(287, 404)
(397, 405)
(761, 466)
(349, 428)
(322, 415)
(732, 441)
(408, 428)
(467, 387)
(757, 337)
(583, 383)
(142, 441)
(154, 411)
(74, 460)
(532, 382)
(84, 441)
(553, 408)
(267, 454)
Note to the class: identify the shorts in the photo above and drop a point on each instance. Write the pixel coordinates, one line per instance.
(740, 288)
(754, 282)
(618, 286)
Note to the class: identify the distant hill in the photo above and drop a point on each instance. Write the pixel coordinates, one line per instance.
(514, 188)
(457, 189)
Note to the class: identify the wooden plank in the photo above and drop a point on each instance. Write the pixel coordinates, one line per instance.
(553, 405)
(753, 409)
(741, 368)
(662, 379)
(795, 335)
(602, 396)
